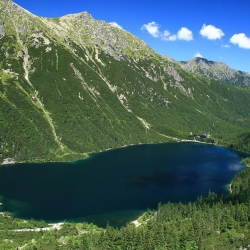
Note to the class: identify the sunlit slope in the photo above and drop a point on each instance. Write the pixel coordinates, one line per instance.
(74, 85)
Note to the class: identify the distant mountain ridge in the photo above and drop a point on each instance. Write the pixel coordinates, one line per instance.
(215, 70)
(73, 85)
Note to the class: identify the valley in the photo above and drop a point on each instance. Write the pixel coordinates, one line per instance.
(72, 87)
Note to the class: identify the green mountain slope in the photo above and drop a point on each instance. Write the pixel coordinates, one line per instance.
(74, 85)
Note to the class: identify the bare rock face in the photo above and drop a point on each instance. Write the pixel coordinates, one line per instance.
(2, 29)
(21, 29)
(215, 70)
(84, 17)
(173, 72)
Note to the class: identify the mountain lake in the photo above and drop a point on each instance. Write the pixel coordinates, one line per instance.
(117, 185)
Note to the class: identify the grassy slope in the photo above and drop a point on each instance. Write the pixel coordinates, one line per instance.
(63, 95)
(88, 116)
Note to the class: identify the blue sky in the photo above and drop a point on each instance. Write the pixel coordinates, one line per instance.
(216, 30)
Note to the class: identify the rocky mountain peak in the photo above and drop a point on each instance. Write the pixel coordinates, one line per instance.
(80, 28)
(82, 16)
(215, 70)
(8, 6)
(202, 60)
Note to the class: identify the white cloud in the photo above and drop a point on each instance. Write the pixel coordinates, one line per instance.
(166, 33)
(211, 32)
(166, 36)
(226, 46)
(241, 40)
(152, 28)
(172, 38)
(185, 34)
(198, 54)
(116, 25)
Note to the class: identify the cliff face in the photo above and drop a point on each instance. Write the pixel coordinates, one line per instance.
(74, 85)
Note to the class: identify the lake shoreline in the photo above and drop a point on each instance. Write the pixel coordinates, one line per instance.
(10, 161)
(229, 186)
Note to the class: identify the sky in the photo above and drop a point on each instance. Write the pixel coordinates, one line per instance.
(217, 30)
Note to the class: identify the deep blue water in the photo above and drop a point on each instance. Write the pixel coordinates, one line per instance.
(117, 185)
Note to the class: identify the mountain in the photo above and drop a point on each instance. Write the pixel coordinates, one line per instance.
(215, 70)
(74, 85)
